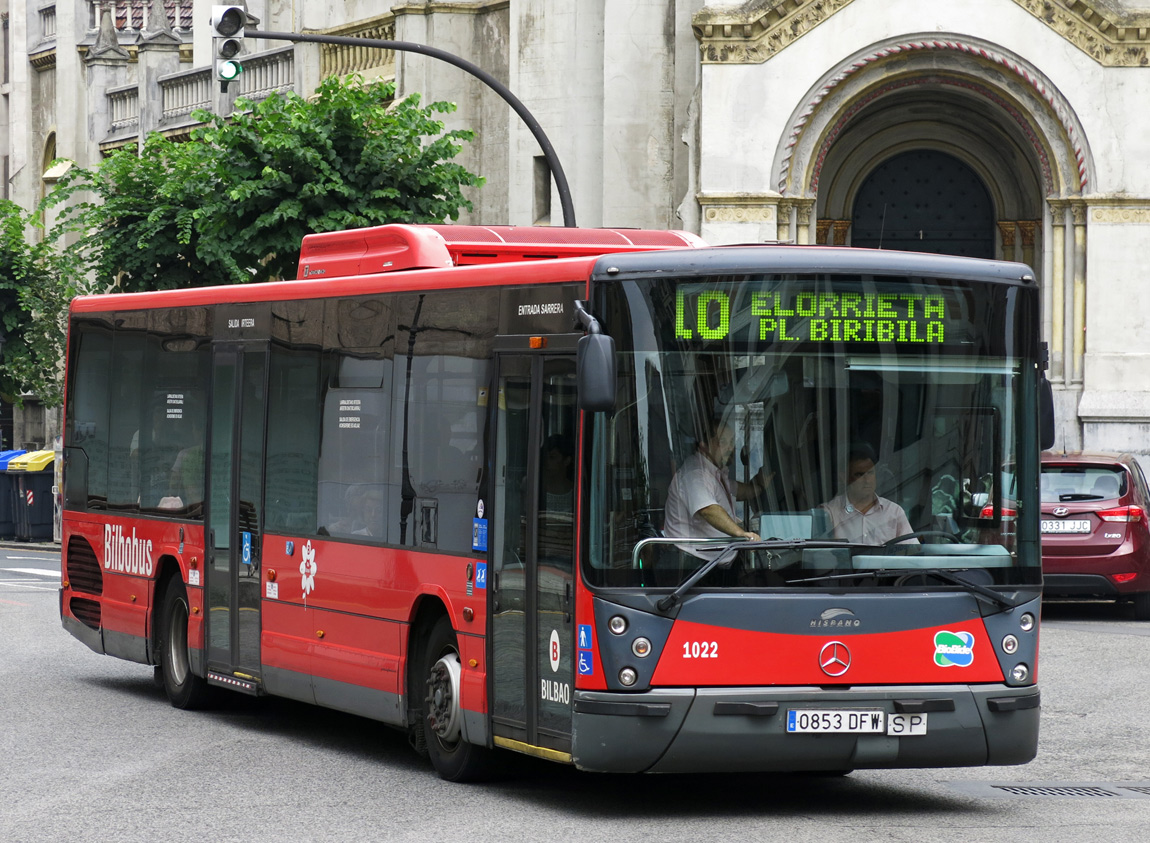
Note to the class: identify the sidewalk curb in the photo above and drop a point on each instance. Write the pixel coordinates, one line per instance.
(12, 544)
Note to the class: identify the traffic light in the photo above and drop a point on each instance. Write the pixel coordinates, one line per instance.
(228, 24)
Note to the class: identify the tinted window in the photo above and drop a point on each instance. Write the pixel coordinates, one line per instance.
(1062, 483)
(356, 426)
(444, 340)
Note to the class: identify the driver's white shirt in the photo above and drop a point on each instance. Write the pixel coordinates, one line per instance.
(879, 524)
(696, 485)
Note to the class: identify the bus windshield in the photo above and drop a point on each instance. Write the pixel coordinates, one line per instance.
(855, 429)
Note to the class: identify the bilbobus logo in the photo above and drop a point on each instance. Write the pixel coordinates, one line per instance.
(126, 554)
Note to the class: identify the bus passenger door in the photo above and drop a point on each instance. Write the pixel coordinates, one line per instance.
(234, 511)
(533, 553)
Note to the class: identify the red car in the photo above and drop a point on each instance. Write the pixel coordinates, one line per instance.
(1095, 529)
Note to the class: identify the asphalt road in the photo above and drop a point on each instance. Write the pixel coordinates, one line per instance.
(91, 751)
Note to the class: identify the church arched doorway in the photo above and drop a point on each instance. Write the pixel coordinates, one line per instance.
(924, 200)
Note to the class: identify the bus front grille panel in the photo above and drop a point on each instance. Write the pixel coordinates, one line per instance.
(85, 611)
(83, 568)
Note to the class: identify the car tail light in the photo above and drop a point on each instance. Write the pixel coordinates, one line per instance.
(988, 512)
(1121, 513)
(1123, 578)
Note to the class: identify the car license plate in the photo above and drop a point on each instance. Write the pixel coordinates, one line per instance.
(1053, 526)
(811, 721)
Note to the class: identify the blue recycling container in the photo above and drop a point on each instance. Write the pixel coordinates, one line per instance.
(9, 484)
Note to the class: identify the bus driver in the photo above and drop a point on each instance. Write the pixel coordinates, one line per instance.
(859, 514)
(701, 498)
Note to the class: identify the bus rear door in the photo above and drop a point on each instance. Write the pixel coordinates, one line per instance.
(532, 553)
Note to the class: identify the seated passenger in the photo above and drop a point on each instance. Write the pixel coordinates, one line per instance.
(860, 515)
(701, 497)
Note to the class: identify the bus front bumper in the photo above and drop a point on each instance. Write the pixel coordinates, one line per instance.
(687, 730)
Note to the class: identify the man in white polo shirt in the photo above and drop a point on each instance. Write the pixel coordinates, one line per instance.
(859, 515)
(701, 498)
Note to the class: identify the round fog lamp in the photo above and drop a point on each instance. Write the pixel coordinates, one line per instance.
(1020, 673)
(641, 647)
(1026, 622)
(1010, 645)
(628, 676)
(617, 625)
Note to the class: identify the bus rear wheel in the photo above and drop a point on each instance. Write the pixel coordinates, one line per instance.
(184, 689)
(454, 758)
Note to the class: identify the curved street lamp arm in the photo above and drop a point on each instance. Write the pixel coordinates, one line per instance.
(476, 71)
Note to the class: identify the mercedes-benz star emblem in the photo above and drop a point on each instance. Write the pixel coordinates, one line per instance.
(834, 658)
(1061, 510)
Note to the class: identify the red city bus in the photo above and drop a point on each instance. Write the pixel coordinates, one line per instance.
(428, 484)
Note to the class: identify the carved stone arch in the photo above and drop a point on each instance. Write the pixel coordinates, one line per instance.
(1026, 105)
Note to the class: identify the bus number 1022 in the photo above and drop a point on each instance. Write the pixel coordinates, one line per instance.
(700, 649)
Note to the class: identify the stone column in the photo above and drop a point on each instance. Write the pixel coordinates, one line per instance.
(1078, 212)
(804, 210)
(1027, 231)
(106, 67)
(1057, 289)
(785, 234)
(841, 228)
(823, 231)
(1006, 231)
(159, 55)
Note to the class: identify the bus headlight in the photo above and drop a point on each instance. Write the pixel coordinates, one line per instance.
(641, 647)
(1020, 673)
(617, 625)
(1010, 645)
(628, 676)
(1026, 622)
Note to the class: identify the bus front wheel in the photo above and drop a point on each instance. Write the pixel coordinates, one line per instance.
(453, 757)
(183, 687)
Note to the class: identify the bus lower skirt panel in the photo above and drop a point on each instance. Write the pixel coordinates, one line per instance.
(742, 730)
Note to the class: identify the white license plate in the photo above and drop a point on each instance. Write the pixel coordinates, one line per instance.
(835, 721)
(1053, 526)
(901, 725)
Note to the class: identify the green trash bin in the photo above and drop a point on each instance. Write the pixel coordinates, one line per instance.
(34, 507)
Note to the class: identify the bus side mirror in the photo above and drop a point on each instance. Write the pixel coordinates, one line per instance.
(1045, 414)
(595, 373)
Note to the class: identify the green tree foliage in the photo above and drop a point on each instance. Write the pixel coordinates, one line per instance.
(233, 203)
(36, 284)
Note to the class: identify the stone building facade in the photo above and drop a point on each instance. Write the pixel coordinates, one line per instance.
(999, 128)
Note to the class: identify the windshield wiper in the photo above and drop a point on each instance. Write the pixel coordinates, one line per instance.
(973, 588)
(726, 557)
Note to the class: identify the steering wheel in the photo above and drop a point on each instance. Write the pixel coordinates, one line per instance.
(924, 534)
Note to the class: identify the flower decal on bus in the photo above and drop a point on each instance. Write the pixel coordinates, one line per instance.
(307, 569)
(953, 649)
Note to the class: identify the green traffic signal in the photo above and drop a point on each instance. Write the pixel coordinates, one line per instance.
(228, 69)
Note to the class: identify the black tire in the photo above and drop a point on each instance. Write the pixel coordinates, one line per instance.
(441, 718)
(184, 689)
(1142, 606)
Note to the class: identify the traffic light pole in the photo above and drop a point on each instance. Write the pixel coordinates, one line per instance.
(476, 71)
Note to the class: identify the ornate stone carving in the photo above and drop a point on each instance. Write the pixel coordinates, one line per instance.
(1026, 230)
(841, 229)
(1110, 37)
(741, 36)
(1006, 229)
(822, 229)
(758, 30)
(1121, 215)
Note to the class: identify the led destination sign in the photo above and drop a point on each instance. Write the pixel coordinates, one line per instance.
(788, 315)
